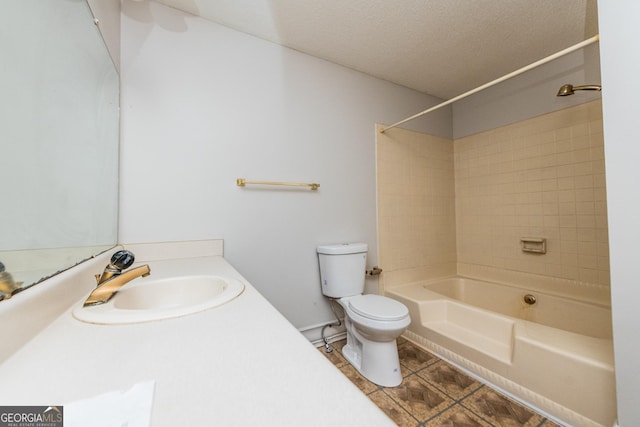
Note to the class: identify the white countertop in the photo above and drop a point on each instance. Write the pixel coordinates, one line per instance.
(240, 364)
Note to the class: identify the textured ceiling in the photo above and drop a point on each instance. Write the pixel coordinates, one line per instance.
(439, 47)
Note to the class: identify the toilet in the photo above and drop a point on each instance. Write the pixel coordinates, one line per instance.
(373, 322)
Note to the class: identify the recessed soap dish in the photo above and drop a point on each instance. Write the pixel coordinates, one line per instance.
(536, 245)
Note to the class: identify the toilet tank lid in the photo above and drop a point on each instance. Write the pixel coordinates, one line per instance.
(343, 249)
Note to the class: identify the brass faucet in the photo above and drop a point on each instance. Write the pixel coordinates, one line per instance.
(112, 278)
(8, 286)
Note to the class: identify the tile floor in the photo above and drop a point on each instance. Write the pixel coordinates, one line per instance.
(434, 393)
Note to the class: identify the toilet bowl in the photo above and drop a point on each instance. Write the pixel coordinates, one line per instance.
(371, 336)
(373, 322)
(378, 318)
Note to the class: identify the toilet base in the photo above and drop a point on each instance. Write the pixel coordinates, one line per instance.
(376, 361)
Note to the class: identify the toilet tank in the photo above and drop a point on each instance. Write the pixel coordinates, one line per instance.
(342, 269)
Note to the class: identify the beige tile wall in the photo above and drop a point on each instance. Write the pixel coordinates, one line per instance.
(416, 207)
(539, 177)
(542, 177)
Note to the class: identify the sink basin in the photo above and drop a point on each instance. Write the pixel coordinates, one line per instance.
(146, 300)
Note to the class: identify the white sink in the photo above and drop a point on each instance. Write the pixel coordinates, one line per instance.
(144, 300)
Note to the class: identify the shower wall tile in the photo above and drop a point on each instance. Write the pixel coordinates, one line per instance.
(542, 177)
(416, 206)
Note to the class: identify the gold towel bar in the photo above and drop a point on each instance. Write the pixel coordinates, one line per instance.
(241, 182)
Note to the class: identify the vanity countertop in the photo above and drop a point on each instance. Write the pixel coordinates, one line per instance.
(239, 364)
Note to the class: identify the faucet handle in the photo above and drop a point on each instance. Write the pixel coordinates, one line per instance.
(122, 259)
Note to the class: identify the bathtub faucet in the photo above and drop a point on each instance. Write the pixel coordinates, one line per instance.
(112, 278)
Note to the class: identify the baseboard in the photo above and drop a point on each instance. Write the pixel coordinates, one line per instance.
(331, 339)
(332, 333)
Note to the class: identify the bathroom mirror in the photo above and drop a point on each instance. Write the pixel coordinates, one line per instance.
(59, 130)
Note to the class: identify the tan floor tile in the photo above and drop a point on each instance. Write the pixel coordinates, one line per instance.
(363, 384)
(499, 410)
(429, 390)
(414, 358)
(334, 357)
(337, 345)
(404, 371)
(419, 398)
(457, 416)
(450, 380)
(393, 410)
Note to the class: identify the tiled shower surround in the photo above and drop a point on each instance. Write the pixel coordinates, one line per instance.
(540, 177)
(446, 206)
(416, 206)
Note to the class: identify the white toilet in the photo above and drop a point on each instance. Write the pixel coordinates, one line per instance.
(373, 322)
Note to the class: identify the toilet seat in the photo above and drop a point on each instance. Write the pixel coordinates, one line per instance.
(377, 307)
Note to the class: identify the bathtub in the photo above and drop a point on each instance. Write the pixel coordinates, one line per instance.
(551, 352)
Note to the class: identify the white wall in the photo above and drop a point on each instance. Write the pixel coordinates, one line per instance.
(620, 60)
(530, 94)
(107, 12)
(203, 105)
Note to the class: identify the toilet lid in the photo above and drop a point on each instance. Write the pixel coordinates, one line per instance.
(378, 307)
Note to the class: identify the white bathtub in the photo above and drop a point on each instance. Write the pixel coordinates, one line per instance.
(556, 355)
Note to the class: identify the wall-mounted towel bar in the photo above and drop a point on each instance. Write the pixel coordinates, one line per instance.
(241, 182)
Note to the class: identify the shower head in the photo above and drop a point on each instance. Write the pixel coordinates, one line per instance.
(568, 89)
